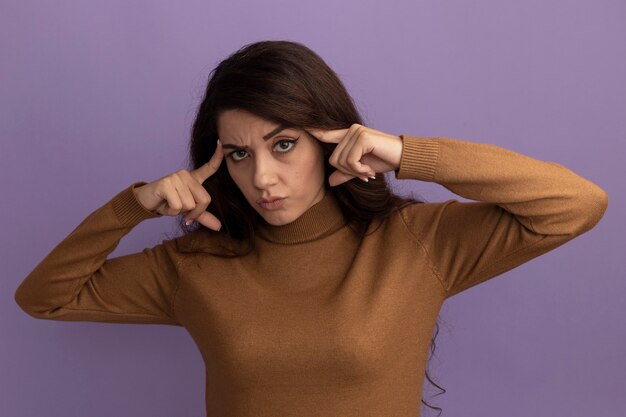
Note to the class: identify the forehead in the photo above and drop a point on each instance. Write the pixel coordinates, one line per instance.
(238, 125)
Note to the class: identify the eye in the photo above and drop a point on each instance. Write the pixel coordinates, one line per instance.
(233, 154)
(289, 145)
(287, 142)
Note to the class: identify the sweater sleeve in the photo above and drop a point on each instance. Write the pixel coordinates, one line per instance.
(75, 281)
(523, 208)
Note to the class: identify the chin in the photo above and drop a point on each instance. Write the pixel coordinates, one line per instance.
(277, 219)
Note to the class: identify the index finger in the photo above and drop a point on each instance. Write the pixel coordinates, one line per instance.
(210, 168)
(332, 136)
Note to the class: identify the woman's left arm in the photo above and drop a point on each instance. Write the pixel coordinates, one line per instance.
(524, 207)
(546, 197)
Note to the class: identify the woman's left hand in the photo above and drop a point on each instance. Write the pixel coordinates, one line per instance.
(361, 152)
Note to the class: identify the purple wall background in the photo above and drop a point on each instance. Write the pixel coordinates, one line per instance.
(97, 95)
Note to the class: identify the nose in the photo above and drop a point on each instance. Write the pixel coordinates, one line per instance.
(265, 174)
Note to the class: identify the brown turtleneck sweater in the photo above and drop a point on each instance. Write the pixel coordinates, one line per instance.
(315, 322)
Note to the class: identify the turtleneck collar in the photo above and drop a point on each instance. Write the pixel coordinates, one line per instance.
(322, 218)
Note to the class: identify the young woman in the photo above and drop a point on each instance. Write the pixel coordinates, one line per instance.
(309, 287)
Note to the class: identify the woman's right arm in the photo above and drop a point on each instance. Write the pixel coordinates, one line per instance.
(75, 281)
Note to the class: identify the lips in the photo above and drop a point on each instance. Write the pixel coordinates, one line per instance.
(269, 199)
(271, 203)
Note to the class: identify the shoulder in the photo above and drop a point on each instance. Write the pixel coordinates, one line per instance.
(419, 211)
(204, 241)
(417, 217)
(404, 216)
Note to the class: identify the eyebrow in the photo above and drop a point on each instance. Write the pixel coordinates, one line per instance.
(267, 136)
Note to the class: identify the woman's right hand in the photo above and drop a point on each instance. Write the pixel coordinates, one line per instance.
(182, 193)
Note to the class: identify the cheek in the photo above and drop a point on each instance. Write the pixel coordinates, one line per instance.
(236, 175)
(308, 174)
(306, 168)
(316, 164)
(313, 160)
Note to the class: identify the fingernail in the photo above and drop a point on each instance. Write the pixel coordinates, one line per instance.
(373, 177)
(364, 179)
(188, 222)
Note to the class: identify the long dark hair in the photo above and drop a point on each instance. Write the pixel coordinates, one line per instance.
(286, 83)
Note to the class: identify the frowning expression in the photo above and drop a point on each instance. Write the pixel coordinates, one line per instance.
(267, 161)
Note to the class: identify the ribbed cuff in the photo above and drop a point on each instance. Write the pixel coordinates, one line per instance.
(128, 209)
(419, 158)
